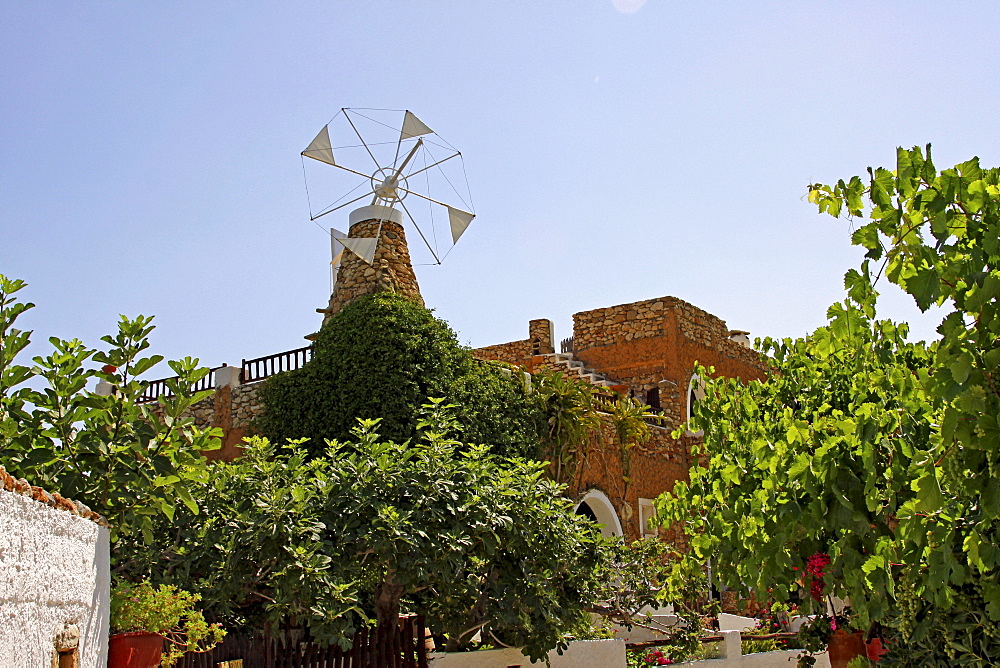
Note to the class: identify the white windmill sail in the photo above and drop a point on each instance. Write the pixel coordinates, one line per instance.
(320, 148)
(459, 222)
(336, 247)
(363, 247)
(413, 127)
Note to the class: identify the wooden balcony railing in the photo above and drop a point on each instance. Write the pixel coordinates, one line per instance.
(262, 367)
(251, 371)
(159, 388)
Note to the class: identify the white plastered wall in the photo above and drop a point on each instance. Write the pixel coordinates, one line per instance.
(54, 570)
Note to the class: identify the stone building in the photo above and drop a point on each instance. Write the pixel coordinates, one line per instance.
(647, 349)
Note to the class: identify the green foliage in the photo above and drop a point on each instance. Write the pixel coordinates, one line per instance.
(325, 543)
(165, 610)
(883, 453)
(571, 411)
(816, 458)
(571, 422)
(380, 357)
(670, 654)
(860, 662)
(938, 237)
(759, 646)
(117, 456)
(814, 637)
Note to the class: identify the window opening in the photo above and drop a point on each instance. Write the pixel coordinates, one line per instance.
(653, 399)
(647, 511)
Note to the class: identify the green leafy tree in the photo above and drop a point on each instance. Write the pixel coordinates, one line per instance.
(937, 236)
(325, 543)
(382, 356)
(817, 458)
(258, 552)
(572, 422)
(125, 460)
(880, 453)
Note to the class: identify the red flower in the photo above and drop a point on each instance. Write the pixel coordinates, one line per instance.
(816, 565)
(107, 368)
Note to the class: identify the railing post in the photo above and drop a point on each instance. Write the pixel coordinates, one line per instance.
(228, 376)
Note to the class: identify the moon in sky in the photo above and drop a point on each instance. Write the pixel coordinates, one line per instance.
(628, 6)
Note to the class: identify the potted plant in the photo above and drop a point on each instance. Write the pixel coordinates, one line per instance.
(814, 636)
(846, 643)
(155, 626)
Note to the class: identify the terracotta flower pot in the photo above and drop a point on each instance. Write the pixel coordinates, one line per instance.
(845, 646)
(137, 649)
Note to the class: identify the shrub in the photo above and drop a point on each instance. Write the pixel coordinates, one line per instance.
(381, 357)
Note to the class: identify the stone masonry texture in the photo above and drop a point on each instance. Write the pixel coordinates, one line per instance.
(391, 267)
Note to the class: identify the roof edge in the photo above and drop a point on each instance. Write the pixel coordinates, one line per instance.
(51, 499)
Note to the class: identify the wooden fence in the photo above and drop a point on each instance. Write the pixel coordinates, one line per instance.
(399, 647)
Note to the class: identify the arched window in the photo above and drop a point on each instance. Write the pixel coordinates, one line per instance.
(695, 393)
(585, 510)
(597, 506)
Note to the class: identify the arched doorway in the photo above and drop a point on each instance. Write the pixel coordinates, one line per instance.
(597, 506)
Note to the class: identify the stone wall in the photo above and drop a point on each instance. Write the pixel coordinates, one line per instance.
(514, 352)
(656, 344)
(231, 409)
(54, 578)
(625, 322)
(654, 467)
(539, 342)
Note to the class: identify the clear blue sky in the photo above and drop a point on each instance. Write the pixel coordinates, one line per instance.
(149, 152)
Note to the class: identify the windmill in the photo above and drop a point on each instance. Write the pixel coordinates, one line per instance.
(394, 166)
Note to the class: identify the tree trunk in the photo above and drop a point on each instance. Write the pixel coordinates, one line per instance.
(387, 597)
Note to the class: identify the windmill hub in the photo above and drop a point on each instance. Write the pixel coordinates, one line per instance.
(389, 185)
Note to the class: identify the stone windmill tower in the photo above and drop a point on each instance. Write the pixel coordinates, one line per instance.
(390, 269)
(397, 162)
